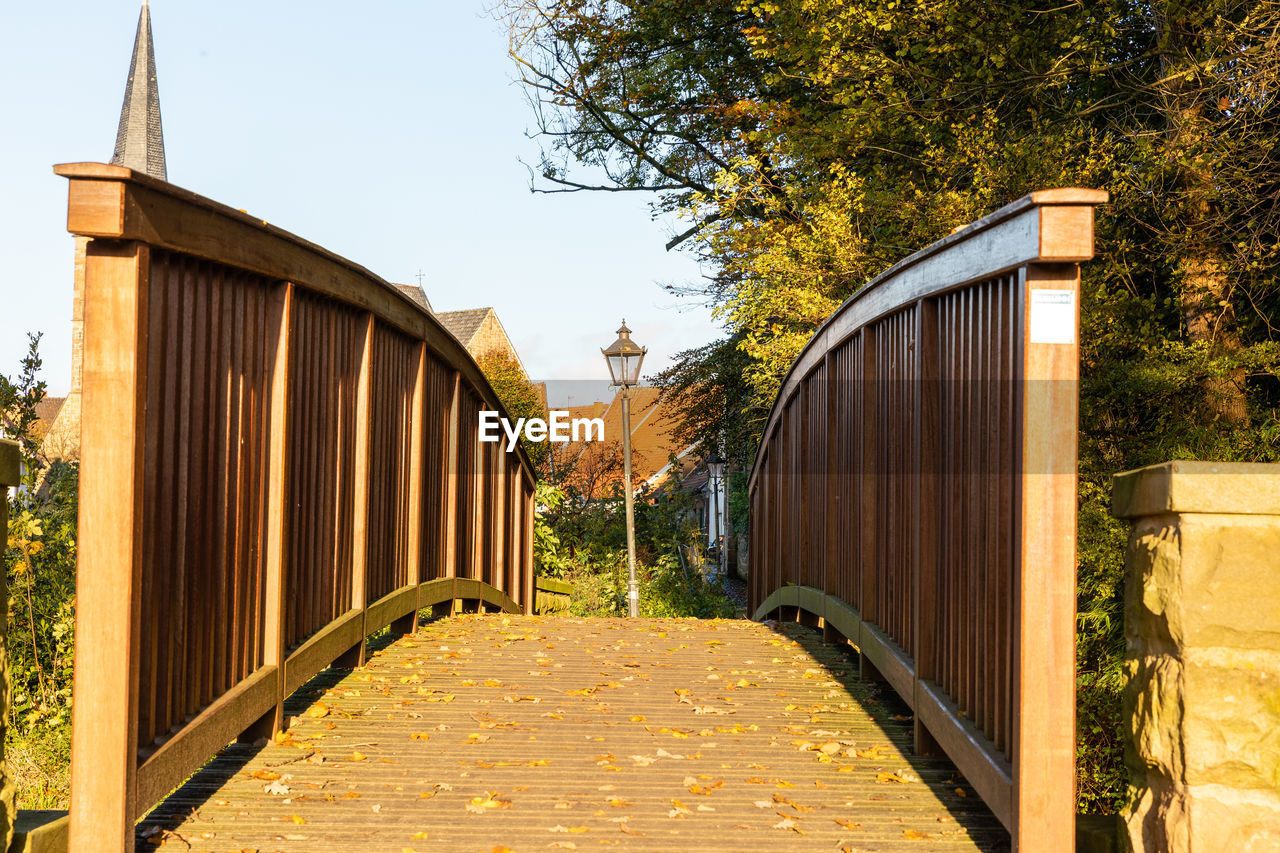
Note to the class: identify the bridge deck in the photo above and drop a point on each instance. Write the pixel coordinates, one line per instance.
(524, 733)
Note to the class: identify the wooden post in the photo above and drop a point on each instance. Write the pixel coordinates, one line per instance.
(449, 505)
(479, 477)
(1044, 684)
(498, 522)
(360, 488)
(104, 748)
(280, 319)
(526, 538)
(417, 465)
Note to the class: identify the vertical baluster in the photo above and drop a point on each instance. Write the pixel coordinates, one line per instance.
(925, 523)
(869, 471)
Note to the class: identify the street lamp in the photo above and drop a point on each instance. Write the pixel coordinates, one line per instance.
(624, 357)
(715, 470)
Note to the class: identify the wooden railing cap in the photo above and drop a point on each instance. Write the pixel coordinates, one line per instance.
(108, 172)
(164, 215)
(1053, 226)
(10, 463)
(1070, 195)
(1181, 486)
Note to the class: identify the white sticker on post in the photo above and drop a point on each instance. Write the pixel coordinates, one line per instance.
(1053, 317)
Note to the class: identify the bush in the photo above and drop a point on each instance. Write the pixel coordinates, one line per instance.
(40, 567)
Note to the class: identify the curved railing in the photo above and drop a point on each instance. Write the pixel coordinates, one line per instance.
(279, 458)
(914, 493)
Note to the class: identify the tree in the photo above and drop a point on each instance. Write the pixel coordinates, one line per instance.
(810, 144)
(519, 397)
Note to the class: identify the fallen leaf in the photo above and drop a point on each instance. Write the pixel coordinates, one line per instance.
(318, 710)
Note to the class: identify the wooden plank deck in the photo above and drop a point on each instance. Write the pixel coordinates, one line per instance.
(484, 733)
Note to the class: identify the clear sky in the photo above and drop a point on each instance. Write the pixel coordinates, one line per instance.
(388, 132)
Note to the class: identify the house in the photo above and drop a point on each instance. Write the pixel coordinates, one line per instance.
(480, 331)
(595, 469)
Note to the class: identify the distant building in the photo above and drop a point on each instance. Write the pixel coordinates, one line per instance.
(416, 294)
(480, 331)
(139, 146)
(595, 469)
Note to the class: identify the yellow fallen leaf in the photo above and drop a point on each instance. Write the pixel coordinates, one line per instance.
(297, 819)
(318, 710)
(356, 756)
(419, 736)
(418, 835)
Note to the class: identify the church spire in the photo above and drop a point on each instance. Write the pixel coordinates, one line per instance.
(140, 139)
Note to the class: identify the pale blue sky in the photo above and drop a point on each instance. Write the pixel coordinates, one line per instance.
(388, 132)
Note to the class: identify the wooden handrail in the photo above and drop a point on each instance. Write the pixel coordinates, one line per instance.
(280, 457)
(914, 493)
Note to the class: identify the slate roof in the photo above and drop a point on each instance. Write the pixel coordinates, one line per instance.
(415, 293)
(46, 413)
(140, 137)
(599, 463)
(463, 325)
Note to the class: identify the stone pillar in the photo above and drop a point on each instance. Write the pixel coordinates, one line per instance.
(10, 475)
(1202, 659)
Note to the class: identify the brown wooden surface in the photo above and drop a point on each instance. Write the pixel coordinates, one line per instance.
(637, 734)
(103, 751)
(1045, 673)
(268, 430)
(918, 467)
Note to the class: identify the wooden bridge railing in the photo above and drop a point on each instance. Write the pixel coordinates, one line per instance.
(915, 490)
(279, 458)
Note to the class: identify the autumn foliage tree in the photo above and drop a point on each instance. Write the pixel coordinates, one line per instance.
(803, 146)
(519, 396)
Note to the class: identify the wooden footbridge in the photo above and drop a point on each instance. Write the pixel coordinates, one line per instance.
(286, 515)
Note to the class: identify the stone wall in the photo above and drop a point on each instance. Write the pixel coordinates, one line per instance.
(1202, 634)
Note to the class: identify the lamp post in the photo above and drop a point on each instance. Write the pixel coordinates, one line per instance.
(715, 470)
(624, 357)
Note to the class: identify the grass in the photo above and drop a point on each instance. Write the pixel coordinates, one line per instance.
(40, 766)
